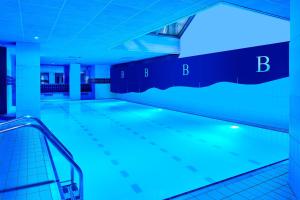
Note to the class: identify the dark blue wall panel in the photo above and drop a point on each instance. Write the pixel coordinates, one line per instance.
(243, 66)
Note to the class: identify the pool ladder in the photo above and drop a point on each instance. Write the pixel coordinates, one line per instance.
(71, 191)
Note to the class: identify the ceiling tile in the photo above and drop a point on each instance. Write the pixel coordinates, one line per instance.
(139, 4)
(69, 27)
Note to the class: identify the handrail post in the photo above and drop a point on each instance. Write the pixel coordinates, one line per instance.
(72, 174)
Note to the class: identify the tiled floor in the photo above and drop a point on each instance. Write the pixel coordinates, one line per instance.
(44, 192)
(25, 163)
(131, 152)
(270, 183)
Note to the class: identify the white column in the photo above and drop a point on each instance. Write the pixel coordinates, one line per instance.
(74, 81)
(294, 169)
(102, 91)
(51, 77)
(27, 79)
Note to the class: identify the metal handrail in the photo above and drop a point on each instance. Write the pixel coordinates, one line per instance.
(56, 143)
(28, 117)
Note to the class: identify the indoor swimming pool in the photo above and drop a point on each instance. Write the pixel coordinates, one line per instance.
(130, 151)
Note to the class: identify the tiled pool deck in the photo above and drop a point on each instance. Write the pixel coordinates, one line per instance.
(26, 172)
(270, 183)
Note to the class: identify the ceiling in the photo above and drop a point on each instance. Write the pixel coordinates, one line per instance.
(91, 31)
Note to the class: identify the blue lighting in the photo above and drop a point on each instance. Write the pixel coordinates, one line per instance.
(36, 37)
(234, 127)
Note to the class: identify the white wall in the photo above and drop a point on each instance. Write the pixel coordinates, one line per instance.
(226, 27)
(294, 159)
(220, 28)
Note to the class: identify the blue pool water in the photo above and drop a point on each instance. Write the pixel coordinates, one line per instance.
(130, 151)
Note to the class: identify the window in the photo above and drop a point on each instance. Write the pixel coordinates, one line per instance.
(59, 78)
(44, 78)
(84, 78)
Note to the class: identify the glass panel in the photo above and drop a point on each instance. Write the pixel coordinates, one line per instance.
(174, 29)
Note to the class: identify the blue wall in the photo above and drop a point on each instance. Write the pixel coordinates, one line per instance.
(245, 66)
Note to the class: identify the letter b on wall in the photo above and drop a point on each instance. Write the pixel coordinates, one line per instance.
(146, 72)
(185, 70)
(263, 64)
(122, 74)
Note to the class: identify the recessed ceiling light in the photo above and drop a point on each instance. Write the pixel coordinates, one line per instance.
(234, 127)
(36, 37)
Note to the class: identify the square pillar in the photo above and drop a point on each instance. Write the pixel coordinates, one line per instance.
(28, 79)
(102, 90)
(294, 161)
(74, 82)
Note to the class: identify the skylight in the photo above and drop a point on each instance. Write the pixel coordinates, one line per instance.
(174, 30)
